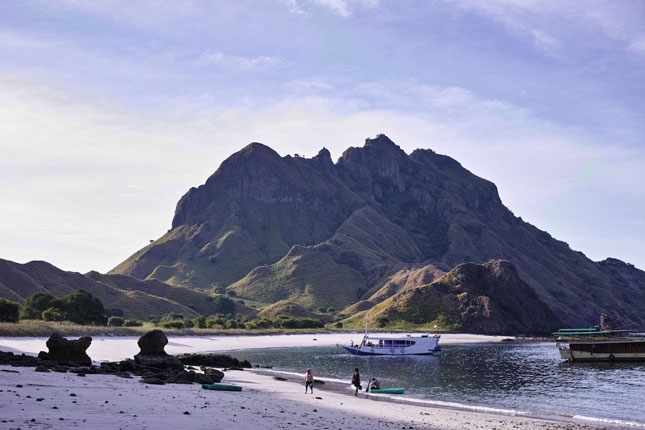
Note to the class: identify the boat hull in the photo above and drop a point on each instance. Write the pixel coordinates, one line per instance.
(584, 356)
(388, 351)
(387, 390)
(222, 387)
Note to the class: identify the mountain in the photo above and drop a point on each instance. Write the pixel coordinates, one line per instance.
(340, 235)
(415, 239)
(133, 298)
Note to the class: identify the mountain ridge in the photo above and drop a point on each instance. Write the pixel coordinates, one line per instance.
(377, 210)
(317, 234)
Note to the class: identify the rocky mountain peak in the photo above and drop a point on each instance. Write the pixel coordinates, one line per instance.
(323, 161)
(380, 140)
(377, 166)
(372, 213)
(255, 158)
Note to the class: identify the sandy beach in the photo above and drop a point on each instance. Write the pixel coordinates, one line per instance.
(35, 400)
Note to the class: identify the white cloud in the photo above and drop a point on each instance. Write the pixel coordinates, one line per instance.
(339, 7)
(637, 45)
(342, 8)
(555, 25)
(235, 62)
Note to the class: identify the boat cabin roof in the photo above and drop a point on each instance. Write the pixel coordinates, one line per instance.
(589, 332)
(397, 337)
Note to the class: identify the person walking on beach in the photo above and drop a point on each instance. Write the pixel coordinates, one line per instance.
(309, 381)
(356, 381)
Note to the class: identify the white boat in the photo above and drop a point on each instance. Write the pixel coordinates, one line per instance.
(591, 344)
(425, 344)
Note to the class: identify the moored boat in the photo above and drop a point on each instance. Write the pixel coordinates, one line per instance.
(592, 344)
(425, 344)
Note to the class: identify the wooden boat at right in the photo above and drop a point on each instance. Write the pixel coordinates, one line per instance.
(592, 344)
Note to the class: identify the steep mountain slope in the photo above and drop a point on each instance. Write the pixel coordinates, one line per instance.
(374, 212)
(249, 213)
(488, 299)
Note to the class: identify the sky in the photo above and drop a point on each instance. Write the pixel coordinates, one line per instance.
(111, 110)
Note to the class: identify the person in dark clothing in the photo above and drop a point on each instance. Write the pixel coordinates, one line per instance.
(373, 384)
(356, 381)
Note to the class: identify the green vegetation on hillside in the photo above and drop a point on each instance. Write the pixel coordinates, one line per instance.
(79, 307)
(9, 311)
(306, 277)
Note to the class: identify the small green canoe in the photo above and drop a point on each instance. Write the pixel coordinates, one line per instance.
(387, 390)
(222, 387)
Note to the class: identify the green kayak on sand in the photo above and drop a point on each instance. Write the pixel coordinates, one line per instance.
(222, 387)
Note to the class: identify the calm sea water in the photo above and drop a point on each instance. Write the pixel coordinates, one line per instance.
(519, 378)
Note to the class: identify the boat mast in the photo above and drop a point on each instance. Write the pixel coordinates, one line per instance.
(366, 316)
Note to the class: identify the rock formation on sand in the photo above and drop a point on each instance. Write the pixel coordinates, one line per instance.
(65, 351)
(153, 366)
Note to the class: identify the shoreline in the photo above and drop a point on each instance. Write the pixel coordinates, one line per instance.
(265, 401)
(115, 348)
(63, 400)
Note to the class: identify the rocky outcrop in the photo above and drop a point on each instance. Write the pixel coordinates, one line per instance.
(165, 369)
(213, 360)
(488, 299)
(152, 352)
(493, 299)
(64, 351)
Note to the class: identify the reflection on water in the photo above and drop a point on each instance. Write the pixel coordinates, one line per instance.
(527, 377)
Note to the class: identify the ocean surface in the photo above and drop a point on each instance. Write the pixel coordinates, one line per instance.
(510, 378)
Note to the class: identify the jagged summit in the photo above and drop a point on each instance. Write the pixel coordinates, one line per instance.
(380, 140)
(256, 150)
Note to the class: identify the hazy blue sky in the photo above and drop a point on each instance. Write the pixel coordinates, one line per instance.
(110, 110)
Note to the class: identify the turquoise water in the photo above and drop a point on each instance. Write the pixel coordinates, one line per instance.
(517, 378)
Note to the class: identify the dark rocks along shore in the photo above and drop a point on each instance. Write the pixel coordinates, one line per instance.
(152, 364)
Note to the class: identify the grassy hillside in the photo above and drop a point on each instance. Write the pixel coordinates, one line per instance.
(490, 298)
(306, 277)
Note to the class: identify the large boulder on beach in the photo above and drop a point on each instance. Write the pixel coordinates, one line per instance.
(153, 343)
(67, 351)
(153, 354)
